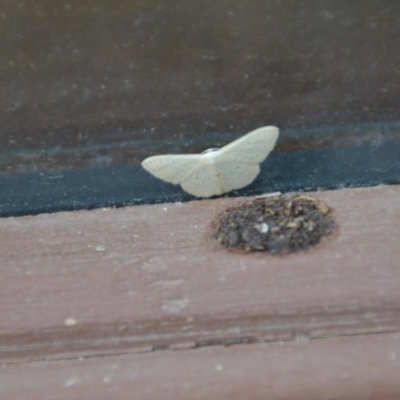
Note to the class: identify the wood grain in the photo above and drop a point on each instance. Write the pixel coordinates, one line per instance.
(149, 277)
(363, 367)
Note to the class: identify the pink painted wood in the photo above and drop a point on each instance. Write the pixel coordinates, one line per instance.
(142, 279)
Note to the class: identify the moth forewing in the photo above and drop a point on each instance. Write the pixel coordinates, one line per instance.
(215, 172)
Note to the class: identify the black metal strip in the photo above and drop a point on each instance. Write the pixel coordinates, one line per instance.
(307, 170)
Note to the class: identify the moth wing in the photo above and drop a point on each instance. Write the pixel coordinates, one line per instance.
(252, 148)
(234, 166)
(203, 182)
(234, 175)
(173, 168)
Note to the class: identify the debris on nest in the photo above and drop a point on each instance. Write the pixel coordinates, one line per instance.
(280, 224)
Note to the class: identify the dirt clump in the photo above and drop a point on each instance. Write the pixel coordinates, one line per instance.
(280, 224)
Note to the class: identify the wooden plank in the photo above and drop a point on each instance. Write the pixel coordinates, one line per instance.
(343, 368)
(145, 277)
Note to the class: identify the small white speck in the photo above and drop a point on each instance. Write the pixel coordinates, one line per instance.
(262, 228)
(71, 382)
(107, 379)
(70, 322)
(218, 367)
(165, 208)
(221, 277)
(327, 15)
(392, 356)
(301, 338)
(174, 306)
(100, 248)
(169, 282)
(266, 195)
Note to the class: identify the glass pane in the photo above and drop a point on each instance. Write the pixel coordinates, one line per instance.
(91, 88)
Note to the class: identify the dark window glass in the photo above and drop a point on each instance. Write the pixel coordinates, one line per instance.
(91, 88)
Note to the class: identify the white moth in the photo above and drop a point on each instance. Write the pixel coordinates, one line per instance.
(216, 171)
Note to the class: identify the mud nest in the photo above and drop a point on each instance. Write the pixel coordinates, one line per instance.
(277, 225)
